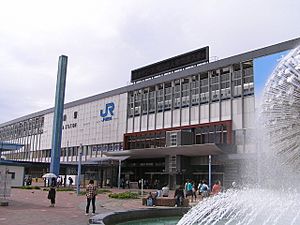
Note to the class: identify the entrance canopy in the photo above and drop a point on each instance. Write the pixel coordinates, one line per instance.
(185, 150)
(4, 146)
(100, 161)
(106, 159)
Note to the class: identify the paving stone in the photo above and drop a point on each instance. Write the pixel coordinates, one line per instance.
(32, 207)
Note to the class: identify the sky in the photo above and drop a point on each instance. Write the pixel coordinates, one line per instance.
(263, 68)
(105, 40)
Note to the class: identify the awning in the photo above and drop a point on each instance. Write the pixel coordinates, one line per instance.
(99, 160)
(157, 173)
(184, 150)
(4, 146)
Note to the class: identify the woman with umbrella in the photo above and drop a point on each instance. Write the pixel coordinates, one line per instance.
(52, 192)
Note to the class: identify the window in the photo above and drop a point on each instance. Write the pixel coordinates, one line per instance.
(173, 139)
(65, 117)
(75, 115)
(13, 175)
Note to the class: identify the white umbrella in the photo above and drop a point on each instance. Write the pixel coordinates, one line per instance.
(49, 175)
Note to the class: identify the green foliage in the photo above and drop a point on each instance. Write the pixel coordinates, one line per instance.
(144, 192)
(124, 195)
(59, 189)
(99, 191)
(30, 187)
(102, 191)
(82, 192)
(65, 189)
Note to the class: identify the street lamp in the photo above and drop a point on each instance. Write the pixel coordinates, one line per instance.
(79, 170)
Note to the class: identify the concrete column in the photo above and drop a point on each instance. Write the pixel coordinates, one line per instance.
(209, 171)
(58, 114)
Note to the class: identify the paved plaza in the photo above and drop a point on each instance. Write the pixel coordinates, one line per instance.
(31, 207)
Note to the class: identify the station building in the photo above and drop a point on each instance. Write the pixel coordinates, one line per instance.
(178, 116)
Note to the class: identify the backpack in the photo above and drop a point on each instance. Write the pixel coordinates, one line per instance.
(204, 188)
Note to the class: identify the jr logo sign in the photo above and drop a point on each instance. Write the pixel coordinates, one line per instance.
(108, 113)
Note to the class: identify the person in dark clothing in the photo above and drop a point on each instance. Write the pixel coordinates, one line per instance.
(70, 181)
(52, 192)
(151, 198)
(179, 195)
(91, 192)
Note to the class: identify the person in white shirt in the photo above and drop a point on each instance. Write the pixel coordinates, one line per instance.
(165, 191)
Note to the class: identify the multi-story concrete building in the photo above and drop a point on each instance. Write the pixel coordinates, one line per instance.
(176, 116)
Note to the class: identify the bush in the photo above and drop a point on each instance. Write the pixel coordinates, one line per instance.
(99, 191)
(65, 189)
(30, 187)
(124, 195)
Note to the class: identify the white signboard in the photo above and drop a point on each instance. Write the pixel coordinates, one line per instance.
(5, 184)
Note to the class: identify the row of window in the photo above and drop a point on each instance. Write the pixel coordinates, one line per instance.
(70, 151)
(25, 128)
(200, 135)
(194, 90)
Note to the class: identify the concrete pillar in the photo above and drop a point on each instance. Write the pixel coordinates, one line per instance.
(58, 114)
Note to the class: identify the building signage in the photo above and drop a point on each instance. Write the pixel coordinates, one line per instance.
(69, 126)
(108, 147)
(107, 114)
(181, 61)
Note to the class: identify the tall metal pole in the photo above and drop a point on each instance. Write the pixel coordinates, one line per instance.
(119, 175)
(142, 187)
(209, 171)
(79, 171)
(58, 114)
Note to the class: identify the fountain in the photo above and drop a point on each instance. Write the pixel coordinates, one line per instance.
(275, 198)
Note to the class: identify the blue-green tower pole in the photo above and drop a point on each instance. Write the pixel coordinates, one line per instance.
(58, 114)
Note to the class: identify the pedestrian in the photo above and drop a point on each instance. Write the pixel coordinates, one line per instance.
(159, 188)
(179, 196)
(150, 200)
(216, 188)
(188, 189)
(70, 181)
(194, 190)
(165, 190)
(204, 190)
(52, 192)
(45, 181)
(91, 192)
(58, 181)
(200, 186)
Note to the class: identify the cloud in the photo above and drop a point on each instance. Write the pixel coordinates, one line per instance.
(105, 40)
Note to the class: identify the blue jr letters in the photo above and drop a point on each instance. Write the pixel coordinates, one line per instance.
(108, 113)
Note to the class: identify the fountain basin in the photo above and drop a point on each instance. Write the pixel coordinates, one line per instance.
(129, 215)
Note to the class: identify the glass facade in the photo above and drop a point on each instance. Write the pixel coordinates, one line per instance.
(224, 83)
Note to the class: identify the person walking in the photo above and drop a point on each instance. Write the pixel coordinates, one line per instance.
(188, 190)
(194, 190)
(216, 188)
(91, 192)
(58, 181)
(70, 181)
(52, 192)
(179, 196)
(204, 190)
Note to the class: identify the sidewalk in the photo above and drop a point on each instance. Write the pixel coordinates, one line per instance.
(31, 207)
